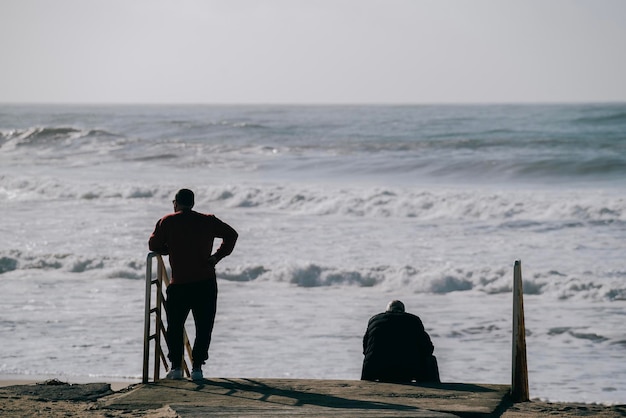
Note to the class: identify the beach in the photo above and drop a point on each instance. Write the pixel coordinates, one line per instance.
(250, 397)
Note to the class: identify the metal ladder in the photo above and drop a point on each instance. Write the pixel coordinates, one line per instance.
(161, 281)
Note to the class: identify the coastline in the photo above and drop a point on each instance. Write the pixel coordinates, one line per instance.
(269, 397)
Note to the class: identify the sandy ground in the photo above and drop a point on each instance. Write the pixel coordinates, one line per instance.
(54, 398)
(538, 409)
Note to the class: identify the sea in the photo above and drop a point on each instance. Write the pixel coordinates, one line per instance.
(339, 209)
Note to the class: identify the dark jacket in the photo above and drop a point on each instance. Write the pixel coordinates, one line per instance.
(397, 349)
(187, 236)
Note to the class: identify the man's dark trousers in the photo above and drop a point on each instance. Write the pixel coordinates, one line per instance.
(201, 299)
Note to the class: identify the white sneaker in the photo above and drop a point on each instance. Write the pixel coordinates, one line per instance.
(175, 374)
(196, 374)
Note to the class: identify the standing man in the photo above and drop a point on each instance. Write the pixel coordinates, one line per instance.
(397, 348)
(187, 236)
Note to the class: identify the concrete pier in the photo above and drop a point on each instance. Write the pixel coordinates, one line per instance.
(312, 398)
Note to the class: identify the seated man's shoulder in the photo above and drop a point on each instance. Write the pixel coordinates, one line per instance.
(380, 317)
(414, 319)
(405, 319)
(412, 316)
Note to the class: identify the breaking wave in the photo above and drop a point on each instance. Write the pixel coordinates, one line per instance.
(435, 280)
(46, 136)
(511, 210)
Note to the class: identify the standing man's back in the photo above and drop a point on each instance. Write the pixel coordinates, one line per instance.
(187, 237)
(397, 348)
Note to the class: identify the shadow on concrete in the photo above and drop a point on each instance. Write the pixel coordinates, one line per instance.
(300, 398)
(459, 387)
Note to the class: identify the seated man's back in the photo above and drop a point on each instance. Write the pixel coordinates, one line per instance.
(397, 348)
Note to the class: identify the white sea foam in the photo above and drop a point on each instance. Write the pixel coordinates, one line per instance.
(513, 209)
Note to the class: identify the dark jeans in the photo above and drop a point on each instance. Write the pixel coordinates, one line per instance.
(201, 299)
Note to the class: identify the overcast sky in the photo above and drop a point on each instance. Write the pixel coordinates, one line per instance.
(315, 51)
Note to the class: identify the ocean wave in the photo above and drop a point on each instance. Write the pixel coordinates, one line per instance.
(245, 274)
(513, 210)
(7, 264)
(447, 284)
(435, 280)
(407, 278)
(617, 294)
(187, 124)
(567, 167)
(315, 276)
(537, 210)
(49, 135)
(577, 332)
(611, 118)
(18, 260)
(51, 188)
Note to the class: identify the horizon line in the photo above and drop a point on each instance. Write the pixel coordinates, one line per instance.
(382, 103)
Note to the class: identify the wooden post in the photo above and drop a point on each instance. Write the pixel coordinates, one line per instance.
(519, 384)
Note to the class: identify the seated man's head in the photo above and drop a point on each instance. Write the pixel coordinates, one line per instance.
(395, 306)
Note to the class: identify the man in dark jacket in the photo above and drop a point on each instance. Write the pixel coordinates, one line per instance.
(397, 348)
(187, 237)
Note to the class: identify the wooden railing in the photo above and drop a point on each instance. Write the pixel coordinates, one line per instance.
(157, 287)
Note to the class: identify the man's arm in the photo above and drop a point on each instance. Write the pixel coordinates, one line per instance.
(229, 239)
(367, 333)
(427, 346)
(157, 241)
(364, 342)
(424, 344)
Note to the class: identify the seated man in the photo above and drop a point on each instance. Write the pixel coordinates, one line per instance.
(397, 348)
